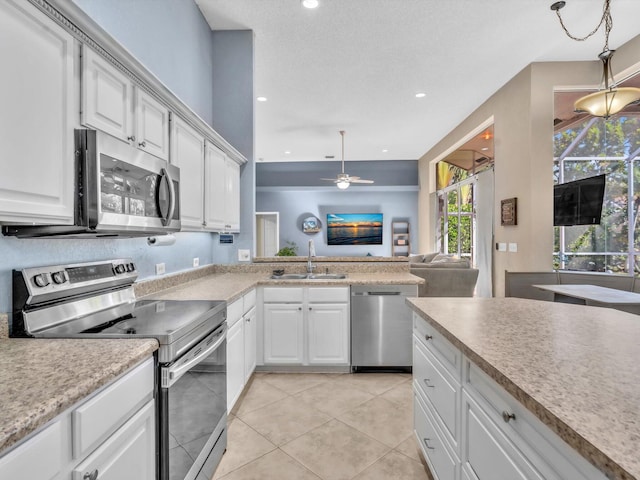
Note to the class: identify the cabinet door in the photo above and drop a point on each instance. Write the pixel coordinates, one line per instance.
(214, 195)
(39, 113)
(232, 196)
(187, 153)
(328, 333)
(152, 125)
(40, 457)
(283, 334)
(250, 333)
(107, 97)
(129, 454)
(487, 451)
(235, 363)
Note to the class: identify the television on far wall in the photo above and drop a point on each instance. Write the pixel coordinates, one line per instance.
(354, 229)
(578, 202)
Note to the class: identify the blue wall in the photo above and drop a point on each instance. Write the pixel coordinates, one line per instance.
(296, 204)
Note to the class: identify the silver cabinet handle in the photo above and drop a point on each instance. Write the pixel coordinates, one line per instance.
(428, 337)
(132, 138)
(91, 476)
(142, 144)
(426, 382)
(299, 308)
(507, 417)
(426, 443)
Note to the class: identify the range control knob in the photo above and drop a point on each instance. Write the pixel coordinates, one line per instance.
(131, 267)
(41, 280)
(120, 268)
(58, 277)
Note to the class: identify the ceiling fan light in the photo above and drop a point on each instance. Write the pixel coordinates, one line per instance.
(310, 3)
(342, 184)
(607, 102)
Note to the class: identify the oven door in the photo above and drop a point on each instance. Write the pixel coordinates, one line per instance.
(193, 410)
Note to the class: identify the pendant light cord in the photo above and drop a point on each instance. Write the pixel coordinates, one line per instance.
(606, 20)
(342, 135)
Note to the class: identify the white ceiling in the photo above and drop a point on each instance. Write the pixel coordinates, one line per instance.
(356, 65)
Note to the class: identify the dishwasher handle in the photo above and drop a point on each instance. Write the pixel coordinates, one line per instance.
(372, 294)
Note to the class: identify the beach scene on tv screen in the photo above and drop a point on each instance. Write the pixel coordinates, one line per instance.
(354, 229)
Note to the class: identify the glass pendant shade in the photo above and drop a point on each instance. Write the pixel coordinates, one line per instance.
(607, 102)
(342, 184)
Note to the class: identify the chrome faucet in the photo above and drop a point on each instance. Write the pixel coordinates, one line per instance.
(310, 266)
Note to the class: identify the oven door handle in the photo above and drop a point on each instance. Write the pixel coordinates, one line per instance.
(171, 375)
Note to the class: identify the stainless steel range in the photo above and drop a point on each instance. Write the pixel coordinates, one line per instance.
(97, 300)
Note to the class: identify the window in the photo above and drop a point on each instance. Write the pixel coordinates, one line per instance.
(592, 147)
(456, 212)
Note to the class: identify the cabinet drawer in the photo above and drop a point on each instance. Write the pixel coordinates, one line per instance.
(234, 312)
(487, 452)
(37, 458)
(328, 294)
(449, 355)
(100, 416)
(249, 301)
(439, 386)
(283, 294)
(129, 454)
(442, 463)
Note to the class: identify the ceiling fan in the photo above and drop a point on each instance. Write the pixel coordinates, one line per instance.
(343, 180)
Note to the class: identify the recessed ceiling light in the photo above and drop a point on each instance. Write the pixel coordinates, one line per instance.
(287, 152)
(262, 99)
(310, 3)
(421, 95)
(384, 150)
(484, 149)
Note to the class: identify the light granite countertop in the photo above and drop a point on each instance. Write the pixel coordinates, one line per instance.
(576, 368)
(231, 286)
(40, 379)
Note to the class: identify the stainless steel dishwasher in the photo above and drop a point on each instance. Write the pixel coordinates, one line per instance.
(381, 326)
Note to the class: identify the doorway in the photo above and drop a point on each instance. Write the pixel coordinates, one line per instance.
(267, 234)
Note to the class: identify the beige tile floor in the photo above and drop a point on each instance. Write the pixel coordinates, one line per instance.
(318, 426)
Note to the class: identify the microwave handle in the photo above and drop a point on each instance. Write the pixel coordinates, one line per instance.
(172, 196)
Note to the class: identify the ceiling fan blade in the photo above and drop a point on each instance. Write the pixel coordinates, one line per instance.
(330, 179)
(360, 181)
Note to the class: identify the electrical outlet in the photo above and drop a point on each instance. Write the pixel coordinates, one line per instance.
(502, 247)
(513, 247)
(159, 268)
(244, 255)
(196, 262)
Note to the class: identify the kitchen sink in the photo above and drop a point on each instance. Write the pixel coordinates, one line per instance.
(326, 276)
(309, 276)
(290, 276)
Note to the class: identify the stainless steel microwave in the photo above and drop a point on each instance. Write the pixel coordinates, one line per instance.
(120, 191)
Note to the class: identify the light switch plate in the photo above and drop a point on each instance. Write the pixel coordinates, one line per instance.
(513, 247)
(159, 268)
(502, 247)
(244, 255)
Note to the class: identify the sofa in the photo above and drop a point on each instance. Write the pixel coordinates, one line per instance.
(444, 275)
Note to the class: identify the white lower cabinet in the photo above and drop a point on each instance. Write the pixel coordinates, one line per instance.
(241, 345)
(306, 326)
(470, 428)
(283, 333)
(127, 454)
(109, 436)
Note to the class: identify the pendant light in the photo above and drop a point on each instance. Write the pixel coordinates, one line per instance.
(610, 99)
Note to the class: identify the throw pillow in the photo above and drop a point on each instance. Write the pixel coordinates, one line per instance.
(415, 258)
(428, 257)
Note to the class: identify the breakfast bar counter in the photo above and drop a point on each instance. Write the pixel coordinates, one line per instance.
(574, 367)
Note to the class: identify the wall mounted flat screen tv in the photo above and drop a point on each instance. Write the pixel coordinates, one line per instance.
(578, 202)
(354, 228)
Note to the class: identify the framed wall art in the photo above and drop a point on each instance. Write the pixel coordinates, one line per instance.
(509, 211)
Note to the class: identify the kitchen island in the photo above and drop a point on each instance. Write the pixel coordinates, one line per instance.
(575, 368)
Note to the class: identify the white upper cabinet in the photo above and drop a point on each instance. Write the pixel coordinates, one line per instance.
(222, 191)
(187, 153)
(113, 104)
(38, 117)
